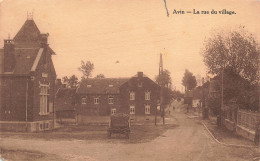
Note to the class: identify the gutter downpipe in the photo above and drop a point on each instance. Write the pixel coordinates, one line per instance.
(26, 104)
(53, 106)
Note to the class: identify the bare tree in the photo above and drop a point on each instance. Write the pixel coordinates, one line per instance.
(100, 76)
(86, 68)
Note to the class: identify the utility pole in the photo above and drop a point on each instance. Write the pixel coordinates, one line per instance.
(162, 86)
(222, 97)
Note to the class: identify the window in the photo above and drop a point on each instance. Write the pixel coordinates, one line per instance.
(44, 75)
(110, 85)
(147, 109)
(110, 100)
(96, 100)
(140, 84)
(113, 111)
(89, 85)
(147, 95)
(132, 95)
(132, 109)
(83, 100)
(44, 94)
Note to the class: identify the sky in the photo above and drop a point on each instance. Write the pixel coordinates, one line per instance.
(131, 32)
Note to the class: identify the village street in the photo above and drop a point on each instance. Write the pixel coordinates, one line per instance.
(188, 141)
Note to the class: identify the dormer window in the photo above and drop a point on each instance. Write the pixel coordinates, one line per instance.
(140, 84)
(89, 85)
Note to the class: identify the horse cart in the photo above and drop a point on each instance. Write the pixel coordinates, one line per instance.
(119, 123)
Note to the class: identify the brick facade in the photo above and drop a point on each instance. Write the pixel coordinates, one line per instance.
(98, 97)
(146, 96)
(139, 85)
(25, 68)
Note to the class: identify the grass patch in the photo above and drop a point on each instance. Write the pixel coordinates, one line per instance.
(138, 134)
(226, 136)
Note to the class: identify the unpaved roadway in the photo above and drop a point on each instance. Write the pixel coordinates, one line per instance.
(187, 142)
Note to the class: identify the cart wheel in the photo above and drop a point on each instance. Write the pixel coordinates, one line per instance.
(127, 135)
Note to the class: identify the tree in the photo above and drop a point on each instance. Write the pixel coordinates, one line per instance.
(166, 81)
(71, 82)
(100, 76)
(177, 94)
(86, 68)
(188, 80)
(236, 50)
(165, 78)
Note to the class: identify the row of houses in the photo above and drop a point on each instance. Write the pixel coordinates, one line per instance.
(137, 96)
(30, 95)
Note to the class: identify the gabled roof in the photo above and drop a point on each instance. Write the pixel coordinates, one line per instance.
(132, 82)
(101, 85)
(66, 92)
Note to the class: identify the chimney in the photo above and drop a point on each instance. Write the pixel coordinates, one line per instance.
(44, 38)
(140, 74)
(9, 57)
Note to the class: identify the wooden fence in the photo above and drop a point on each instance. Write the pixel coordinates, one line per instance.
(247, 119)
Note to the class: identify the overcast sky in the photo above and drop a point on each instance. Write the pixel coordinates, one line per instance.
(132, 32)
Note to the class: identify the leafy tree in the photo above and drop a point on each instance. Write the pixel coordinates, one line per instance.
(71, 82)
(166, 82)
(189, 80)
(86, 68)
(236, 50)
(100, 76)
(165, 78)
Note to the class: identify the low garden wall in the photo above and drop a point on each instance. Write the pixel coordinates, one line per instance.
(244, 124)
(21, 126)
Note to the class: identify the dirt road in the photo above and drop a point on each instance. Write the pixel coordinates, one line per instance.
(189, 141)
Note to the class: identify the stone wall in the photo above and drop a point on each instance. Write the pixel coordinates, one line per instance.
(16, 126)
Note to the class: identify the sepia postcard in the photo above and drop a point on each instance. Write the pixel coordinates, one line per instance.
(132, 80)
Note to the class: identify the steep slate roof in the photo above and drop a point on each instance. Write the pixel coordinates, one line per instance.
(101, 85)
(28, 32)
(24, 60)
(66, 92)
(28, 48)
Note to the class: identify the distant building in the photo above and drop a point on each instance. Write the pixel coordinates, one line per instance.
(99, 97)
(65, 103)
(27, 81)
(139, 97)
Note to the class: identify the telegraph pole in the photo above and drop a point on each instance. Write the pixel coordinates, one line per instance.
(161, 86)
